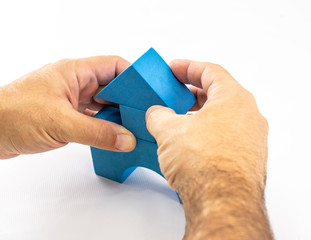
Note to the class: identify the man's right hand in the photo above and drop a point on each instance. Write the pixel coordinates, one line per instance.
(215, 158)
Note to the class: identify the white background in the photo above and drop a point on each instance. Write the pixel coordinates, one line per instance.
(266, 45)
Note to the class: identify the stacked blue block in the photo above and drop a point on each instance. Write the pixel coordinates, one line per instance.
(118, 166)
(148, 81)
(134, 120)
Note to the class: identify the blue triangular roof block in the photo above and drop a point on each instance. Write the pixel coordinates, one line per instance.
(130, 89)
(149, 81)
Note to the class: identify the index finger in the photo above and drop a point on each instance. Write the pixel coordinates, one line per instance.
(207, 76)
(93, 72)
(103, 68)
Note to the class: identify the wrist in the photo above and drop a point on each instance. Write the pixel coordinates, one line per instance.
(219, 200)
(191, 184)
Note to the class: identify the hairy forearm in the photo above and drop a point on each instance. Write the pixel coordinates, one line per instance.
(222, 204)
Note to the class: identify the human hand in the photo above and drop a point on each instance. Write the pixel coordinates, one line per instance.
(215, 158)
(52, 106)
(227, 132)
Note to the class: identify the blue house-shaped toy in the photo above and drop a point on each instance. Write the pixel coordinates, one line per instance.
(148, 81)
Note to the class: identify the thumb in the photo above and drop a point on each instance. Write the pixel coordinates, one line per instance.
(157, 118)
(97, 133)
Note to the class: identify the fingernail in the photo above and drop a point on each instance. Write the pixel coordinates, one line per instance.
(124, 143)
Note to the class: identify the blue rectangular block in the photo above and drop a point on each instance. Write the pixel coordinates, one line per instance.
(118, 166)
(134, 120)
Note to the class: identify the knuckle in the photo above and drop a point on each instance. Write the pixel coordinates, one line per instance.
(64, 65)
(265, 122)
(56, 129)
(216, 72)
(154, 122)
(213, 67)
(150, 120)
(104, 137)
(64, 61)
(116, 58)
(218, 67)
(248, 94)
(102, 131)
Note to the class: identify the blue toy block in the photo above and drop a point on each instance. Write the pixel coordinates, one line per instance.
(134, 120)
(111, 114)
(149, 81)
(117, 166)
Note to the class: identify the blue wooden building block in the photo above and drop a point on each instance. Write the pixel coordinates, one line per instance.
(117, 166)
(134, 120)
(149, 81)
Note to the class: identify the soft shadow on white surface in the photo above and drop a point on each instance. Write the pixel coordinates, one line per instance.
(56, 195)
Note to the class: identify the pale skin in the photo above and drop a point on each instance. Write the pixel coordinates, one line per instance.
(214, 158)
